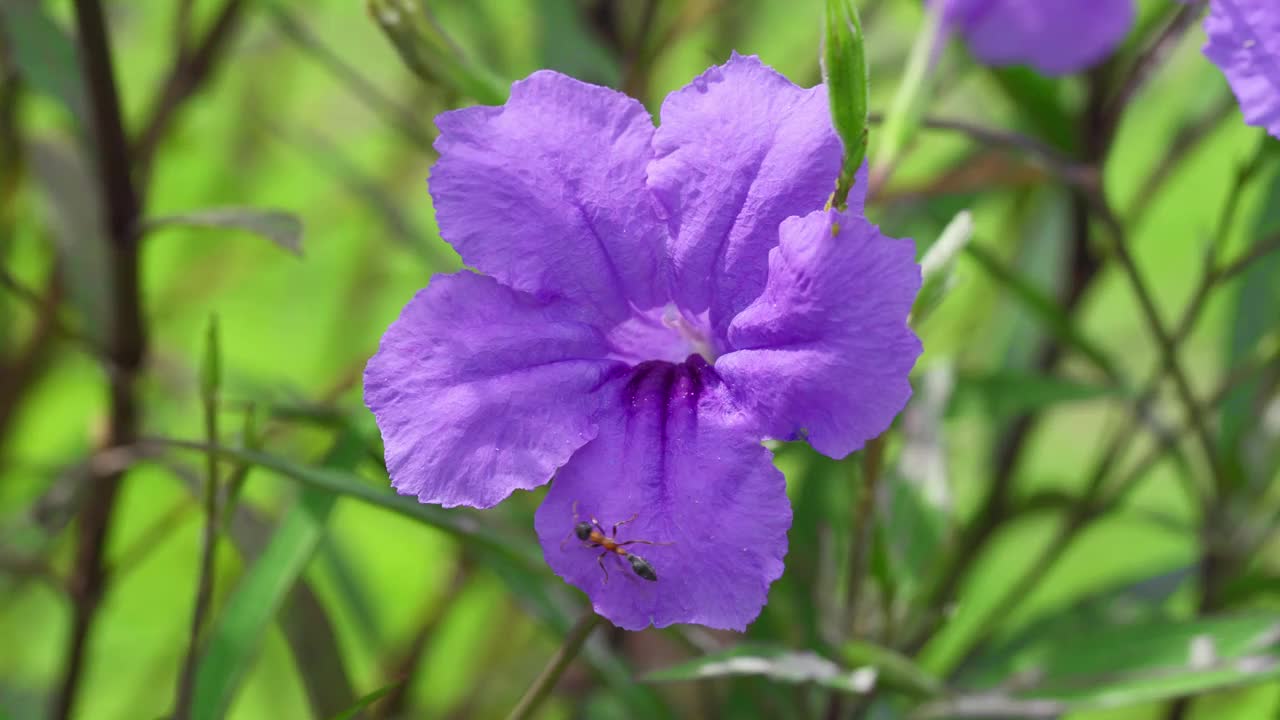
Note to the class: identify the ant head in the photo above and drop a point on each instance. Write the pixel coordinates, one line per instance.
(583, 530)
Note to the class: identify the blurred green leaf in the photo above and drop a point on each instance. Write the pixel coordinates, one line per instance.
(280, 227)
(1049, 314)
(893, 669)
(1115, 666)
(938, 265)
(242, 626)
(44, 53)
(367, 700)
(1037, 101)
(1005, 393)
(910, 101)
(772, 663)
(353, 486)
(74, 211)
(844, 69)
(1255, 299)
(211, 368)
(1128, 601)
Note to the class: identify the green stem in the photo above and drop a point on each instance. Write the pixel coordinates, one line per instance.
(550, 675)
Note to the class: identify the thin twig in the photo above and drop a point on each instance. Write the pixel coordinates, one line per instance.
(546, 681)
(190, 72)
(1188, 138)
(872, 458)
(210, 381)
(1145, 66)
(1058, 163)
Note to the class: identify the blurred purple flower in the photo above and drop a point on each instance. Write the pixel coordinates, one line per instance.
(654, 304)
(1056, 37)
(1244, 41)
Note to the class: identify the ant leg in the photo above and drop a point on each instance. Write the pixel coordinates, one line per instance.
(575, 512)
(614, 532)
(642, 542)
(600, 561)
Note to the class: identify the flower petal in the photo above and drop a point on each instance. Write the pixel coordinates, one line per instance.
(480, 390)
(547, 193)
(674, 454)
(826, 348)
(1054, 36)
(1244, 41)
(738, 150)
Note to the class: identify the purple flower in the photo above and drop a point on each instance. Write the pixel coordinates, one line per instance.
(1244, 41)
(1056, 37)
(654, 303)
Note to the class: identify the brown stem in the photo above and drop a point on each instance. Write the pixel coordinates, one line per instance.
(190, 72)
(127, 339)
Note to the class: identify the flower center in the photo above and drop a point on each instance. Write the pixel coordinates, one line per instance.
(664, 333)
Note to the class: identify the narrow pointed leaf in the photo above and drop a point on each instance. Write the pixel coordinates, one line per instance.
(280, 227)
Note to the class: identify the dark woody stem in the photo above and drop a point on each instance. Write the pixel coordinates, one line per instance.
(550, 675)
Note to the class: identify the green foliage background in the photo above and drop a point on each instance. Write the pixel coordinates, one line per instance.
(311, 111)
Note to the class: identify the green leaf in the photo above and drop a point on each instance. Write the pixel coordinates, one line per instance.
(914, 519)
(243, 624)
(911, 98)
(44, 53)
(772, 663)
(844, 69)
(1255, 297)
(938, 265)
(893, 669)
(367, 700)
(345, 484)
(1005, 393)
(1036, 100)
(1108, 666)
(211, 367)
(1046, 311)
(74, 209)
(280, 227)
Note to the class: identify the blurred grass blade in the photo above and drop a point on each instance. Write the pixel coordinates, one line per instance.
(772, 663)
(211, 367)
(1049, 314)
(911, 99)
(1127, 601)
(844, 69)
(1005, 393)
(914, 525)
(429, 53)
(74, 209)
(44, 53)
(367, 700)
(1108, 666)
(242, 626)
(1256, 297)
(1037, 101)
(938, 265)
(280, 227)
(350, 485)
(894, 670)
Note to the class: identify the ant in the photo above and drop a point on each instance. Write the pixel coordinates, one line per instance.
(593, 536)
